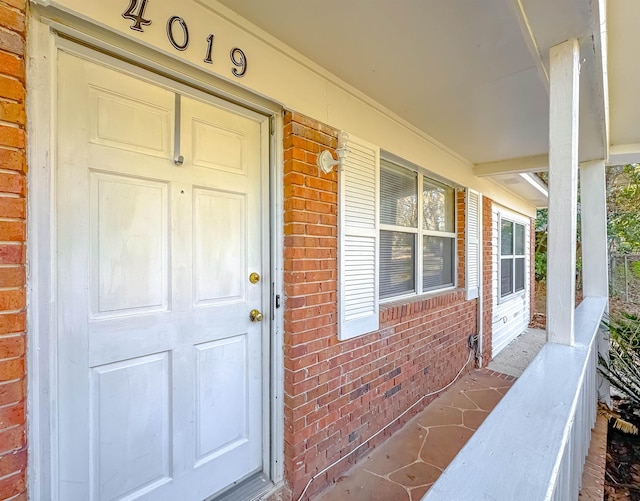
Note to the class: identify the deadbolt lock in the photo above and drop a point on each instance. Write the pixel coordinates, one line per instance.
(254, 278)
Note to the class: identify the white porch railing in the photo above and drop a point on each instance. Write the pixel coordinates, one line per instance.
(533, 444)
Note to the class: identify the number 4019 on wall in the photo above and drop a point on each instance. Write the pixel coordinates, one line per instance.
(135, 12)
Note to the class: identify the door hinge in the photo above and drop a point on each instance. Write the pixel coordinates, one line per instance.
(272, 126)
(277, 302)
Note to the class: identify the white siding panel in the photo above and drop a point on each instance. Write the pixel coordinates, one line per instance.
(510, 316)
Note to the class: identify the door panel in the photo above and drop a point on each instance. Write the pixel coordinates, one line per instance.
(218, 148)
(222, 360)
(131, 427)
(129, 122)
(160, 367)
(130, 247)
(220, 269)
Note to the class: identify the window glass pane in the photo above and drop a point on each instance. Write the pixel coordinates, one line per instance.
(519, 274)
(438, 206)
(398, 196)
(437, 262)
(506, 238)
(519, 239)
(397, 263)
(506, 277)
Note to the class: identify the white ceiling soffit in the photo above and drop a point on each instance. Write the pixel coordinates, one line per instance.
(525, 185)
(624, 80)
(471, 74)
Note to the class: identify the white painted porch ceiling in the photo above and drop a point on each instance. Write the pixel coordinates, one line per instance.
(624, 78)
(473, 74)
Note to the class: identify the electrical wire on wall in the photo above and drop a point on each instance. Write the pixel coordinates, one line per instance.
(471, 352)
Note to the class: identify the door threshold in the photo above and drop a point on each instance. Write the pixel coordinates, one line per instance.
(250, 489)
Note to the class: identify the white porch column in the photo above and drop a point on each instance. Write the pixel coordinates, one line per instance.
(595, 259)
(563, 191)
(593, 197)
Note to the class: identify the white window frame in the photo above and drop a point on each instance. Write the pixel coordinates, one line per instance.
(419, 232)
(512, 257)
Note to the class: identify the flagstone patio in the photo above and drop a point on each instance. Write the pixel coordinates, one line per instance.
(406, 465)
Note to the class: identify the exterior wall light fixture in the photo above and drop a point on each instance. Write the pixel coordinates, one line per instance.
(325, 159)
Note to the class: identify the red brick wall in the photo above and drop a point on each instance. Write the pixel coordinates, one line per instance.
(338, 394)
(13, 453)
(487, 278)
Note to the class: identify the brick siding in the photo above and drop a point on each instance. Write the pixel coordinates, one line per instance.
(13, 453)
(487, 278)
(338, 394)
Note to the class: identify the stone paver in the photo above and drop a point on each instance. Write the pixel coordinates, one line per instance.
(484, 399)
(415, 475)
(361, 484)
(440, 415)
(402, 449)
(473, 419)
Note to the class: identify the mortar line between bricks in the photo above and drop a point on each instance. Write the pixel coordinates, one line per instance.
(9, 171)
(13, 9)
(9, 335)
(12, 312)
(12, 125)
(17, 496)
(18, 102)
(11, 405)
(13, 474)
(4, 430)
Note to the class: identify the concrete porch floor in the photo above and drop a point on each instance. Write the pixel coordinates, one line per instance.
(407, 464)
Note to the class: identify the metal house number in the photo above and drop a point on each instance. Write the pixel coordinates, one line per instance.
(178, 36)
(138, 19)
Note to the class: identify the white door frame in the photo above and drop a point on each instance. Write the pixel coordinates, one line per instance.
(41, 227)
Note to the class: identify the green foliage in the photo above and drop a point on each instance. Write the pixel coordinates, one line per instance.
(623, 368)
(541, 245)
(623, 219)
(541, 266)
(542, 218)
(623, 207)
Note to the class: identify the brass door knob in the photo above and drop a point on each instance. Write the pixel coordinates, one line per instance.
(256, 316)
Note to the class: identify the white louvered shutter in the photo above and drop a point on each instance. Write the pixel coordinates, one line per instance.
(473, 239)
(358, 187)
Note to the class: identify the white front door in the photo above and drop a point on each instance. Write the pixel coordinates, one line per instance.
(160, 391)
